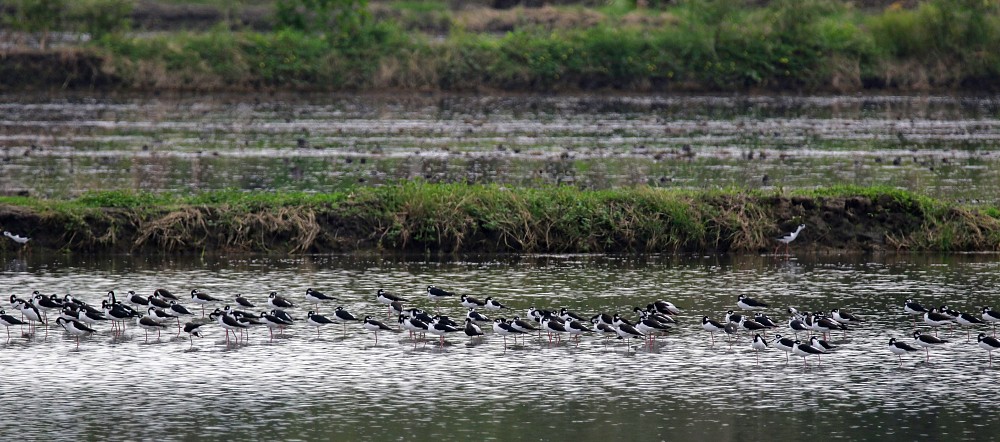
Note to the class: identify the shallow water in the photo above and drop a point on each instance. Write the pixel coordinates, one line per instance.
(61, 145)
(334, 387)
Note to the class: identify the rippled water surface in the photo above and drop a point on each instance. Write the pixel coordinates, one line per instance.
(343, 387)
(943, 146)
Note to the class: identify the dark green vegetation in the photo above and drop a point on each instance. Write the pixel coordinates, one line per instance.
(704, 45)
(440, 218)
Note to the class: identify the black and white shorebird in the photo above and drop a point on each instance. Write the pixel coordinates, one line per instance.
(712, 327)
(440, 329)
(928, 341)
(472, 330)
(844, 317)
(967, 320)
(988, 343)
(75, 328)
(16, 238)
(936, 319)
(787, 239)
(148, 324)
(344, 316)
(179, 310)
(667, 308)
(900, 348)
(159, 315)
(567, 315)
(552, 326)
(136, 299)
(577, 328)
(493, 304)
(165, 294)
(470, 302)
(229, 323)
(476, 316)
(373, 325)
(523, 327)
(804, 350)
(747, 303)
(191, 328)
(412, 325)
(914, 309)
(317, 320)
(8, 321)
(273, 322)
(274, 300)
(389, 299)
(435, 294)
(628, 332)
(158, 302)
(784, 344)
(798, 325)
(203, 299)
(243, 301)
(991, 317)
(757, 345)
(317, 297)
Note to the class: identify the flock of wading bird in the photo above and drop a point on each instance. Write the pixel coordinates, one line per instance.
(159, 312)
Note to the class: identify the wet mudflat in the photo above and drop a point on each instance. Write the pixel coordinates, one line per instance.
(945, 147)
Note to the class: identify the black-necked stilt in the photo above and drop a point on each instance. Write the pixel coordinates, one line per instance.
(757, 345)
(666, 308)
(22, 240)
(390, 299)
(435, 294)
(735, 318)
(750, 325)
(137, 300)
(712, 327)
(46, 303)
(567, 315)
(274, 300)
(283, 315)
(784, 344)
(844, 317)
(373, 325)
(797, 325)
(991, 317)
(179, 310)
(900, 348)
(165, 294)
(7, 321)
(75, 328)
(159, 315)
(928, 341)
(967, 320)
(989, 344)
(577, 328)
(440, 329)
(502, 328)
(914, 309)
(243, 301)
(471, 329)
(787, 239)
(493, 304)
(524, 327)
(649, 327)
(627, 332)
(344, 316)
(148, 324)
(470, 302)
(764, 320)
(476, 316)
(550, 325)
(412, 325)
(747, 303)
(31, 313)
(191, 328)
(273, 322)
(316, 320)
(158, 302)
(945, 310)
(229, 323)
(119, 313)
(805, 350)
(815, 341)
(826, 325)
(617, 320)
(605, 328)
(317, 297)
(936, 319)
(395, 307)
(203, 299)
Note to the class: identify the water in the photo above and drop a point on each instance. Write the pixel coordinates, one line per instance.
(59, 146)
(336, 387)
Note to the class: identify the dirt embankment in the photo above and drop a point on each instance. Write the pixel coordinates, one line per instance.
(727, 223)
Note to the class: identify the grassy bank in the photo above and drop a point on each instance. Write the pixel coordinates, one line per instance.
(432, 218)
(693, 45)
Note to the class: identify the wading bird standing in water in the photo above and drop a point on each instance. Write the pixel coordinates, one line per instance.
(788, 238)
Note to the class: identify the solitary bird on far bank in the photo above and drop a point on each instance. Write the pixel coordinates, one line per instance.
(787, 239)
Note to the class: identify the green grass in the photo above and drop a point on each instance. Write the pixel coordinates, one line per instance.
(452, 218)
